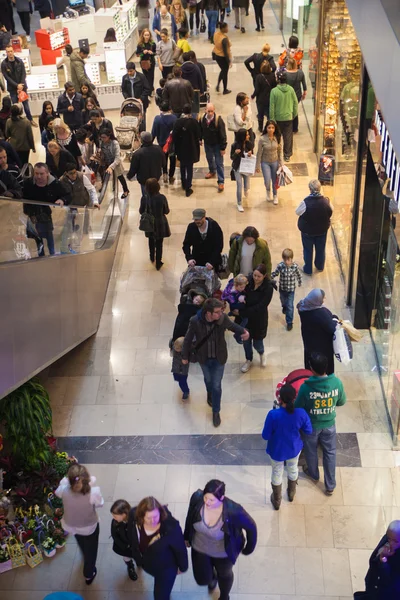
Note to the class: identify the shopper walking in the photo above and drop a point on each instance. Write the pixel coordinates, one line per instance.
(258, 6)
(208, 329)
(146, 51)
(258, 295)
(111, 158)
(292, 51)
(67, 140)
(295, 78)
(242, 114)
(282, 431)
(80, 499)
(212, 8)
(247, 251)
(147, 162)
(178, 92)
(164, 20)
(239, 8)
(78, 73)
(218, 530)
(258, 59)
(288, 272)
(194, 15)
(270, 158)
(317, 328)
(314, 214)
(47, 111)
(136, 85)
(242, 147)
(120, 511)
(186, 136)
(163, 125)
(319, 395)
(70, 105)
(13, 71)
(58, 158)
(176, 9)
(204, 241)
(24, 9)
(264, 83)
(165, 53)
(283, 108)
(19, 134)
(222, 54)
(213, 134)
(157, 205)
(157, 544)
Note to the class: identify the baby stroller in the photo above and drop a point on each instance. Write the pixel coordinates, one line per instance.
(200, 280)
(128, 130)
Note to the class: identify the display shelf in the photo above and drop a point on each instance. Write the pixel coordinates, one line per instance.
(43, 78)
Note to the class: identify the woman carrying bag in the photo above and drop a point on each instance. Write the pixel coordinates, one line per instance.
(156, 205)
(241, 148)
(146, 51)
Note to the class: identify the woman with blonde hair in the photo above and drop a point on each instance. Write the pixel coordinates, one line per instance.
(178, 12)
(146, 51)
(58, 158)
(80, 499)
(157, 544)
(67, 140)
(254, 62)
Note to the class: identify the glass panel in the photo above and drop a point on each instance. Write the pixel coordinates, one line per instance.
(68, 230)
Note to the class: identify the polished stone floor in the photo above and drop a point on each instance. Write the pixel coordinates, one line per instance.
(117, 408)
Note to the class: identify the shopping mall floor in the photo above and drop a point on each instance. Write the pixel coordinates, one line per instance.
(118, 387)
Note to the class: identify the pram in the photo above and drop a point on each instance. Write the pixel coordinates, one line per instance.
(200, 280)
(128, 130)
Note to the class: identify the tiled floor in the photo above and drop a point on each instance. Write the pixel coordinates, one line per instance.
(119, 384)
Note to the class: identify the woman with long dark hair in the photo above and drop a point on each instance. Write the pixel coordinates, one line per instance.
(282, 431)
(87, 92)
(218, 530)
(241, 147)
(47, 110)
(111, 158)
(157, 205)
(110, 36)
(270, 157)
(222, 55)
(146, 51)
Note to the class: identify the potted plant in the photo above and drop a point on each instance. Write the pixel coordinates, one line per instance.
(5, 560)
(49, 546)
(59, 537)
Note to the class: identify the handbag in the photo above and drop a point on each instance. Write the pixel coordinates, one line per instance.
(202, 24)
(233, 178)
(145, 64)
(354, 334)
(231, 123)
(196, 347)
(247, 165)
(177, 53)
(34, 556)
(22, 96)
(146, 222)
(15, 550)
(168, 144)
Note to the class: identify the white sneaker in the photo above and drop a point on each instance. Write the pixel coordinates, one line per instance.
(268, 196)
(28, 38)
(240, 208)
(246, 367)
(275, 200)
(263, 361)
(246, 194)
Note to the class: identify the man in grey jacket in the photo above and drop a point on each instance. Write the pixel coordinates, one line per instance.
(206, 335)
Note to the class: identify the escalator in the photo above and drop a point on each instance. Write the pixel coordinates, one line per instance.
(50, 304)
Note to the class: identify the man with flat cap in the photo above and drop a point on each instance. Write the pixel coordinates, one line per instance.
(203, 241)
(147, 162)
(382, 581)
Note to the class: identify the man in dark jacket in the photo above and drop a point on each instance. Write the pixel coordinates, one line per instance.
(96, 124)
(13, 70)
(135, 85)
(382, 581)
(257, 59)
(191, 72)
(203, 241)
(178, 92)
(10, 186)
(186, 136)
(147, 162)
(208, 329)
(213, 133)
(70, 105)
(43, 187)
(314, 214)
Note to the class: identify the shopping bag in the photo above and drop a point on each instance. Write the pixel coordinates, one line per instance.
(33, 555)
(223, 269)
(288, 175)
(354, 334)
(342, 347)
(22, 96)
(168, 144)
(247, 165)
(15, 550)
(231, 123)
(5, 560)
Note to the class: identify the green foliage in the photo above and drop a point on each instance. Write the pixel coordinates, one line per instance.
(27, 417)
(60, 463)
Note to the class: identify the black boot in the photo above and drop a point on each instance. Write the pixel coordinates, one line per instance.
(131, 571)
(291, 490)
(276, 496)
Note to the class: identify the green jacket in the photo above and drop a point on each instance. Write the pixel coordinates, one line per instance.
(319, 397)
(261, 256)
(283, 104)
(78, 73)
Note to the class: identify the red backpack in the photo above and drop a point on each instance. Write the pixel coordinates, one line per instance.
(295, 378)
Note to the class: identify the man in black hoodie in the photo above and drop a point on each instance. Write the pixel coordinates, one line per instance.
(203, 241)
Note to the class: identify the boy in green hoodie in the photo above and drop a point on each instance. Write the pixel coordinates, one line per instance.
(319, 395)
(283, 108)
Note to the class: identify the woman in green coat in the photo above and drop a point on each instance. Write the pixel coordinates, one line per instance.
(248, 251)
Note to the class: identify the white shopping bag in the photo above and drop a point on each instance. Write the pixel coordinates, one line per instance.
(342, 347)
(248, 165)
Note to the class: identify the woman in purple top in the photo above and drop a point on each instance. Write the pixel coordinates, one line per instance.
(282, 430)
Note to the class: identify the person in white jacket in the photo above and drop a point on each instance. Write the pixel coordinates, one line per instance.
(81, 499)
(242, 114)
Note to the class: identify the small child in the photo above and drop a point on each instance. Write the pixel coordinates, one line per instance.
(159, 91)
(287, 271)
(236, 298)
(179, 370)
(183, 43)
(119, 532)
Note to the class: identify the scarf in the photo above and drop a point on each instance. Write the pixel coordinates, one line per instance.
(313, 300)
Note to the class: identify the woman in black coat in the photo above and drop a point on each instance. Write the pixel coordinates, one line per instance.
(265, 81)
(186, 136)
(317, 328)
(157, 205)
(157, 545)
(218, 530)
(258, 295)
(57, 159)
(120, 511)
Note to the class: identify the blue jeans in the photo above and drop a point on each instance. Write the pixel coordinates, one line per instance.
(213, 373)
(309, 241)
(269, 171)
(215, 161)
(287, 299)
(246, 181)
(44, 233)
(182, 382)
(242, 323)
(327, 438)
(25, 104)
(212, 16)
(186, 176)
(248, 347)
